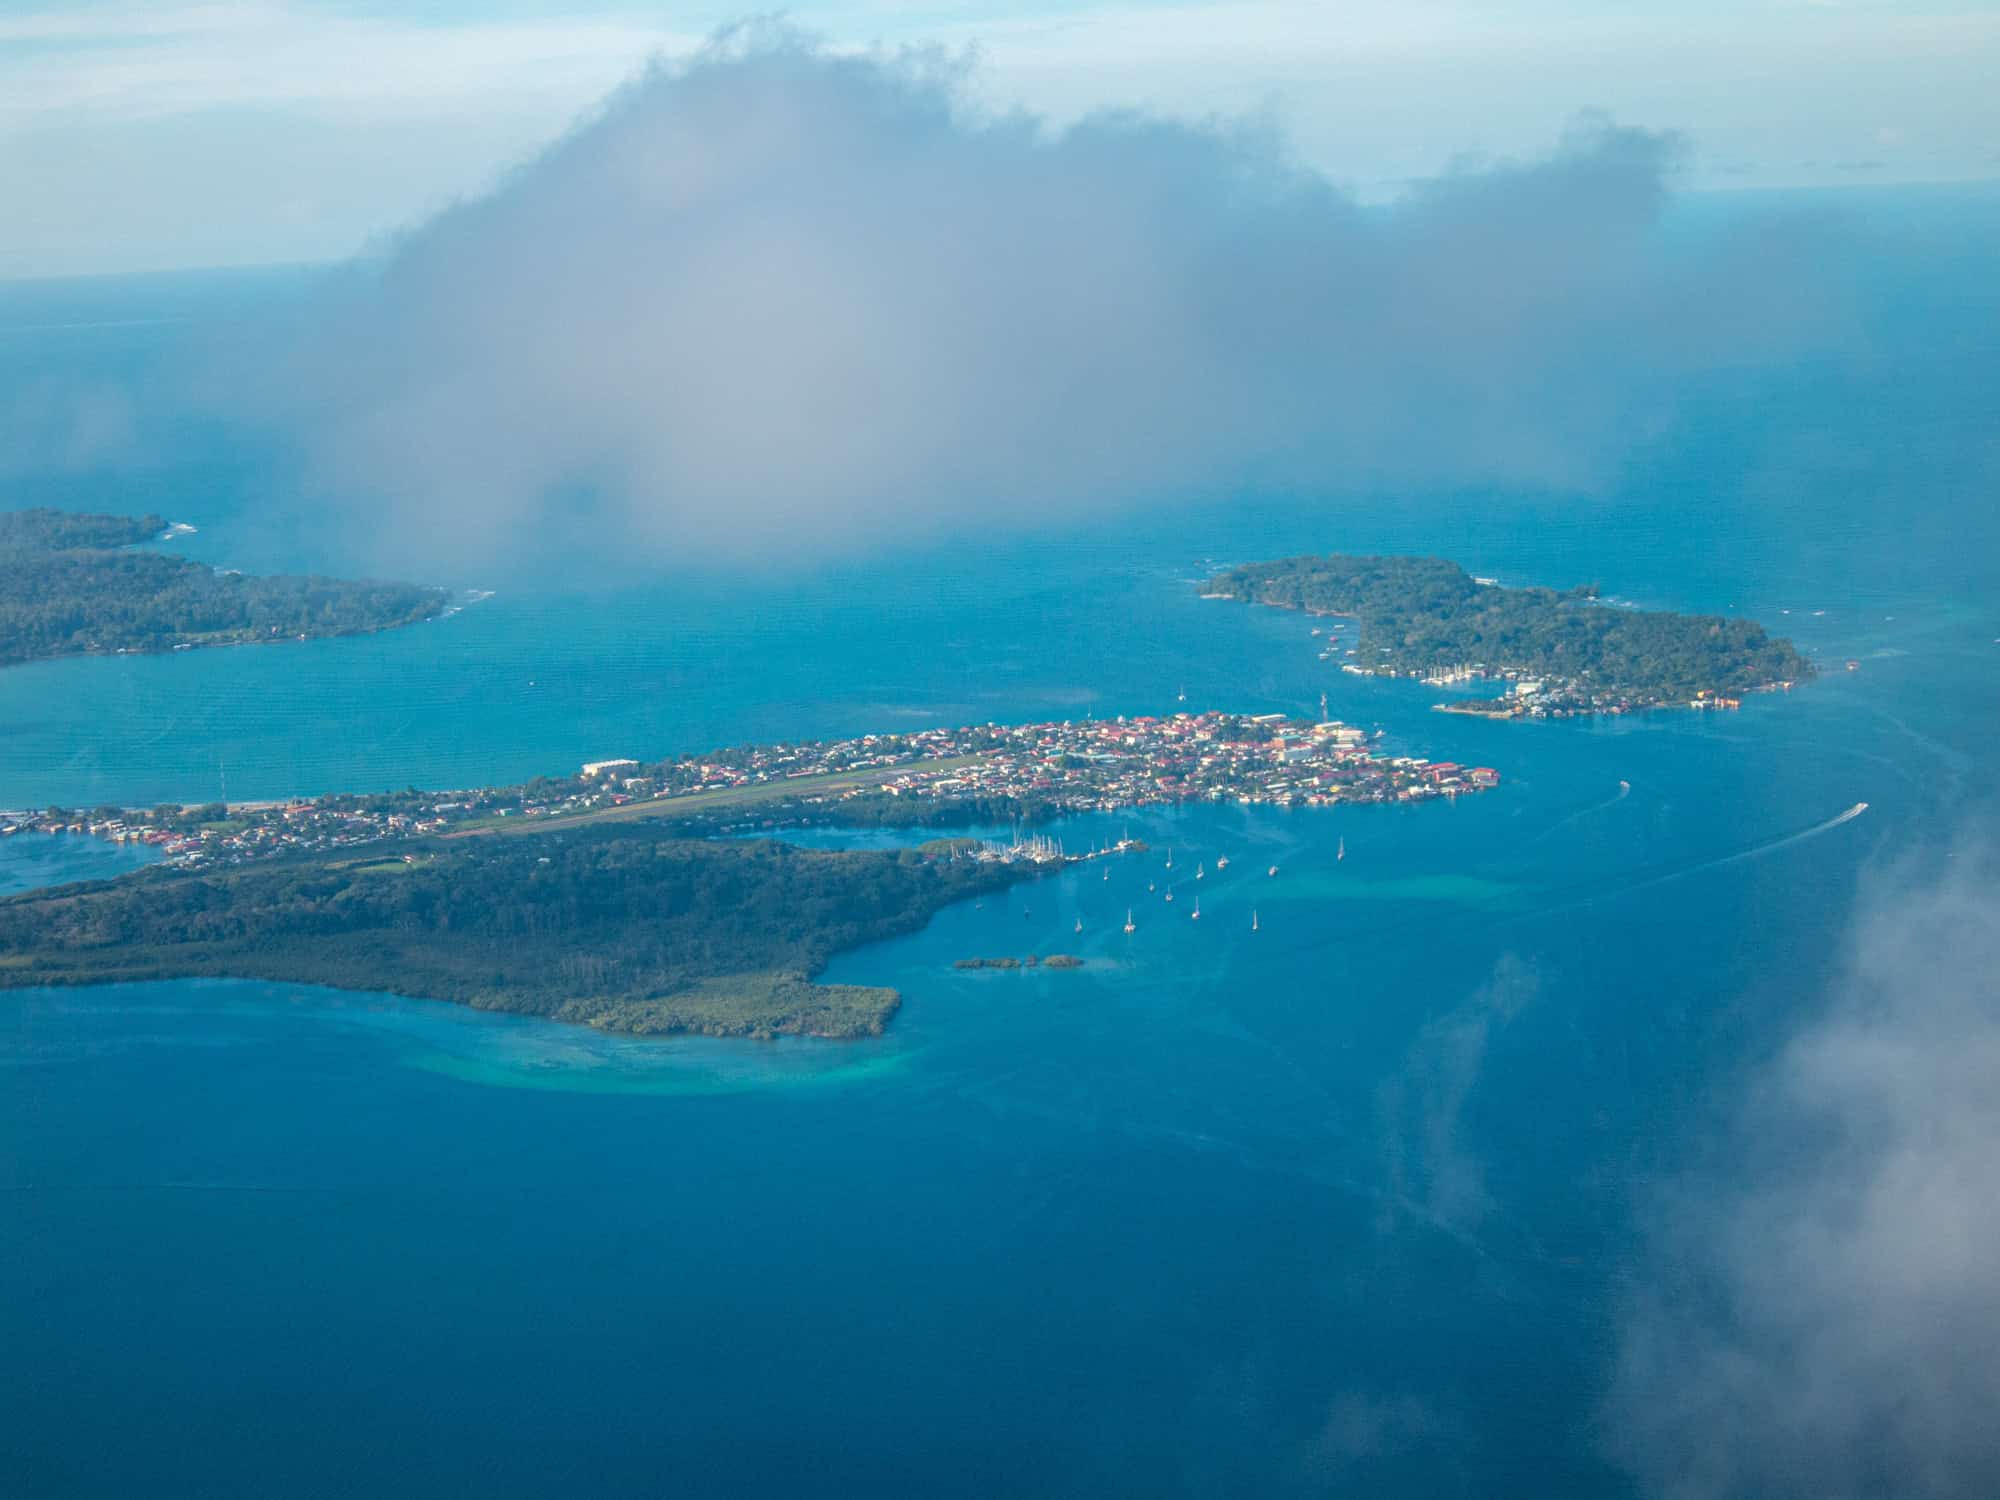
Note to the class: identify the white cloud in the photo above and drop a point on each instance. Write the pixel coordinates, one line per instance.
(1822, 1310)
(1372, 92)
(1431, 1168)
(780, 300)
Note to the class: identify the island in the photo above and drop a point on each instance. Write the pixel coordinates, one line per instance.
(1561, 653)
(608, 897)
(75, 585)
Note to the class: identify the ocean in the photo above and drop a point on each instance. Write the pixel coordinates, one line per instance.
(1348, 1203)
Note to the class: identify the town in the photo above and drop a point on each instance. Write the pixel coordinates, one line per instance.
(982, 773)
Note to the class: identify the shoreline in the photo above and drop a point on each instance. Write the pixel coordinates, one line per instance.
(939, 778)
(443, 612)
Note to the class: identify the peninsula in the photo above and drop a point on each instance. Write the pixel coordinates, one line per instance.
(1561, 654)
(987, 773)
(75, 585)
(595, 898)
(622, 928)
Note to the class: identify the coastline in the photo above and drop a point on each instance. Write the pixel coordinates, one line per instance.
(84, 585)
(444, 611)
(1568, 654)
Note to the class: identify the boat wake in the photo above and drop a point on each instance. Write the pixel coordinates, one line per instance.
(1723, 861)
(1624, 791)
(1758, 851)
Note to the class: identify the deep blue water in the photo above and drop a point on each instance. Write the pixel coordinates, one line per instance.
(1343, 1205)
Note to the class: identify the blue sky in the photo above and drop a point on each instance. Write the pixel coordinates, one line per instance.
(137, 136)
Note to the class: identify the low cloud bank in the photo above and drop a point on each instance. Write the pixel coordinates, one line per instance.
(1821, 1316)
(774, 300)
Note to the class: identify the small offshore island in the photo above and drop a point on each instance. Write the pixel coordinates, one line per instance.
(596, 898)
(76, 585)
(1564, 654)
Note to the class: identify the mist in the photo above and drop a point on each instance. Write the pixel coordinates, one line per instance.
(1819, 1315)
(777, 302)
(1433, 1171)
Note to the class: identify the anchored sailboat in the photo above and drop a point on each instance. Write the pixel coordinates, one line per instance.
(1196, 913)
(1341, 852)
(1199, 872)
(1253, 919)
(1130, 925)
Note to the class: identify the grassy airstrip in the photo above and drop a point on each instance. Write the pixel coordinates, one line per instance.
(700, 802)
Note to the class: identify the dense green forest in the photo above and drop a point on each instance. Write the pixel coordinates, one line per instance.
(616, 927)
(1422, 614)
(72, 585)
(45, 530)
(868, 810)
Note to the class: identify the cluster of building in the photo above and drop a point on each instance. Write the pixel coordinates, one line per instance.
(251, 830)
(1066, 766)
(1105, 765)
(1558, 698)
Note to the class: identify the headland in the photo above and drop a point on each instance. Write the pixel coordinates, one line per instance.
(80, 585)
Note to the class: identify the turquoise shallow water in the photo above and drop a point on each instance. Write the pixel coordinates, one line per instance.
(1342, 1205)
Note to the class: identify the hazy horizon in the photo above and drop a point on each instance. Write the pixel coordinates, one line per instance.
(262, 131)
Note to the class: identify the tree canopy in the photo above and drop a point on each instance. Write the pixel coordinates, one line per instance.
(1424, 614)
(616, 927)
(74, 584)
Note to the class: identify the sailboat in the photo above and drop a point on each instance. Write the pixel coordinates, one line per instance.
(1222, 862)
(1151, 886)
(1253, 919)
(1272, 871)
(1079, 924)
(1195, 915)
(1170, 894)
(1341, 852)
(1170, 856)
(1181, 696)
(1199, 872)
(1130, 925)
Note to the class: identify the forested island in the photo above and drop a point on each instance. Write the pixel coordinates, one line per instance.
(613, 926)
(73, 584)
(1562, 652)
